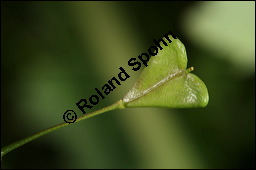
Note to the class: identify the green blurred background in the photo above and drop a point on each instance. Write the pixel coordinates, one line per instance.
(55, 53)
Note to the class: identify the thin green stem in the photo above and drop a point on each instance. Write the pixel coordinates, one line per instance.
(118, 105)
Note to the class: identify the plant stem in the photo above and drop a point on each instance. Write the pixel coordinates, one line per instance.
(118, 105)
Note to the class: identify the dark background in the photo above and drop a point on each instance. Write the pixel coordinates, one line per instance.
(55, 53)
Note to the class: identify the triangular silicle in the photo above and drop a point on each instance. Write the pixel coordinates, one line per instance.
(165, 82)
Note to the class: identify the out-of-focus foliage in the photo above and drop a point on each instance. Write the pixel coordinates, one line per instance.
(55, 53)
(225, 27)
